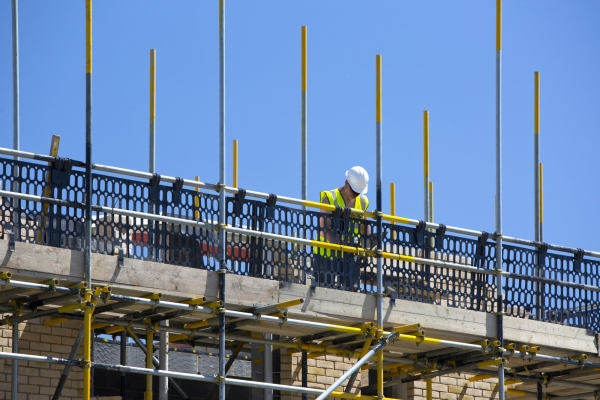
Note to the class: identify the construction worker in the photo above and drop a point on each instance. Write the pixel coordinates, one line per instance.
(334, 268)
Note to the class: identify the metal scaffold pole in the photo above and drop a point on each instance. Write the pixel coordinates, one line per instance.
(15, 53)
(536, 155)
(304, 116)
(378, 115)
(87, 339)
(222, 204)
(426, 166)
(499, 264)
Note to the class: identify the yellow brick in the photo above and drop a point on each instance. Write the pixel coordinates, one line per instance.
(328, 380)
(28, 388)
(473, 392)
(448, 380)
(37, 397)
(36, 380)
(316, 371)
(325, 364)
(57, 331)
(448, 396)
(482, 385)
(40, 346)
(420, 384)
(29, 371)
(455, 389)
(61, 349)
(51, 339)
(438, 387)
(334, 372)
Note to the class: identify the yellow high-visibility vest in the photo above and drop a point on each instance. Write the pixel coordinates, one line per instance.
(335, 198)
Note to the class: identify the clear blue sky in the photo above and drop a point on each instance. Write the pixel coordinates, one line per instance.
(437, 55)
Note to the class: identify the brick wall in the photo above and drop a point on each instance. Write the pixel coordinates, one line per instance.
(453, 387)
(322, 372)
(38, 380)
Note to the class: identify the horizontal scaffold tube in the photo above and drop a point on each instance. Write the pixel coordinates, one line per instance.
(560, 360)
(430, 341)
(229, 381)
(291, 200)
(34, 156)
(29, 357)
(196, 377)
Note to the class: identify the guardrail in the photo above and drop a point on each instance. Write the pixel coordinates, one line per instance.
(170, 223)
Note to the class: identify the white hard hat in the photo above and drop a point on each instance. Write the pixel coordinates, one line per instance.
(358, 179)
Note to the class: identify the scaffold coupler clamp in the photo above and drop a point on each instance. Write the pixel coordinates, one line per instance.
(219, 186)
(152, 327)
(219, 379)
(18, 307)
(52, 284)
(544, 380)
(283, 319)
(5, 276)
(85, 364)
(106, 292)
(581, 358)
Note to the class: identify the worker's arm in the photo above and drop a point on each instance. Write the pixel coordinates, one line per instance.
(325, 222)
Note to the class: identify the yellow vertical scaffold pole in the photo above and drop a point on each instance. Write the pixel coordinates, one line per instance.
(235, 163)
(426, 164)
(304, 134)
(393, 204)
(378, 119)
(87, 318)
(149, 355)
(536, 153)
(197, 200)
(152, 145)
(541, 202)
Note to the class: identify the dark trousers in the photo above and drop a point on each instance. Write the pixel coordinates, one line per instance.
(342, 272)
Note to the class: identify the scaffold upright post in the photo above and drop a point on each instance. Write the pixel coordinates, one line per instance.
(15, 363)
(87, 345)
(304, 373)
(536, 153)
(123, 361)
(378, 121)
(149, 357)
(222, 204)
(499, 263)
(426, 166)
(15, 54)
(152, 137)
(88, 143)
(304, 100)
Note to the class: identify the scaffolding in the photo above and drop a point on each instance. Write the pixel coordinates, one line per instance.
(110, 211)
(414, 263)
